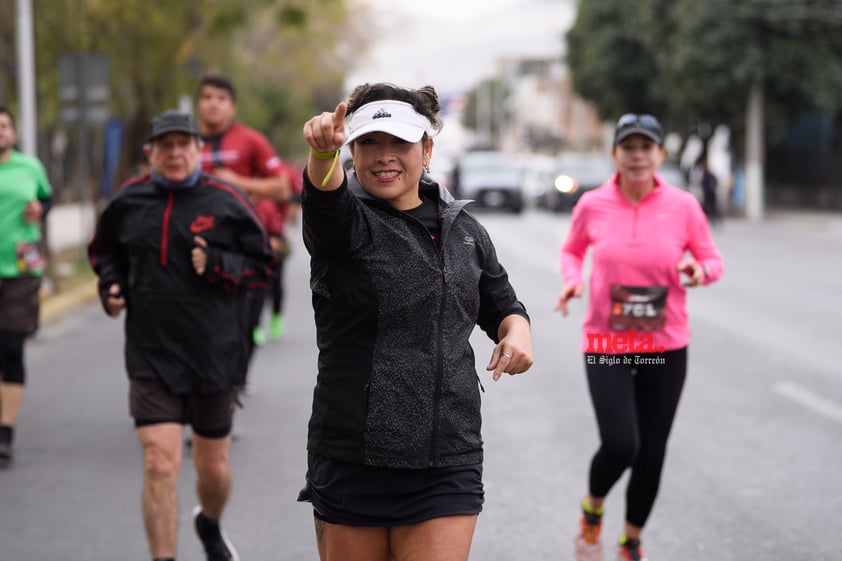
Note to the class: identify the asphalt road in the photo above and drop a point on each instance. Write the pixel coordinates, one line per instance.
(752, 471)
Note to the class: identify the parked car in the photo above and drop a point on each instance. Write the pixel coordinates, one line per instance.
(577, 174)
(538, 174)
(492, 179)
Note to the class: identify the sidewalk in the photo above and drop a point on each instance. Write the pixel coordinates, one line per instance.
(825, 221)
(68, 226)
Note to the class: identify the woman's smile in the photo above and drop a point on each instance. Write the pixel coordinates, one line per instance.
(386, 176)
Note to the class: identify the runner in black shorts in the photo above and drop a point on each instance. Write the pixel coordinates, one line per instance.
(25, 198)
(401, 275)
(209, 415)
(181, 250)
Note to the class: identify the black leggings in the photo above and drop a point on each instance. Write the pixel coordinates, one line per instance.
(11, 357)
(635, 405)
(276, 286)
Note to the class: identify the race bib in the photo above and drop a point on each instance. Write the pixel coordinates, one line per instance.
(641, 308)
(29, 258)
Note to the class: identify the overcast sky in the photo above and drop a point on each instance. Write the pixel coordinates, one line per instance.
(453, 44)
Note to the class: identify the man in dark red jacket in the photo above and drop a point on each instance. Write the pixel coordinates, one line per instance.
(180, 250)
(243, 156)
(233, 151)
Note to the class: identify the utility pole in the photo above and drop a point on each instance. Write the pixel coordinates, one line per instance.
(755, 157)
(484, 112)
(765, 22)
(26, 79)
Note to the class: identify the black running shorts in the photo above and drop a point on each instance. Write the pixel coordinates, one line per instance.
(209, 415)
(359, 495)
(19, 304)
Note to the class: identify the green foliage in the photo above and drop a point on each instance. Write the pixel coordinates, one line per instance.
(292, 16)
(288, 67)
(707, 64)
(281, 54)
(609, 61)
(695, 62)
(7, 54)
(228, 18)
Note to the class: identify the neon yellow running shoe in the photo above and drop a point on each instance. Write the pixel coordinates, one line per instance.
(630, 550)
(276, 326)
(588, 544)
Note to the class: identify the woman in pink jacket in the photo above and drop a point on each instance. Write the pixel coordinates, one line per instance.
(649, 242)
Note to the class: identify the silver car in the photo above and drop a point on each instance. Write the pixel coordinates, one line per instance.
(492, 179)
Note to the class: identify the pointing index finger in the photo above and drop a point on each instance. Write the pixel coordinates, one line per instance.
(339, 115)
(339, 120)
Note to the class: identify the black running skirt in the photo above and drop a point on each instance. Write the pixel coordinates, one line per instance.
(359, 495)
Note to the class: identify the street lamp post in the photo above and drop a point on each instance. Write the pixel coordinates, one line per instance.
(26, 78)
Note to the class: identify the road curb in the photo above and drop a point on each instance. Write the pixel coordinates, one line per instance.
(56, 305)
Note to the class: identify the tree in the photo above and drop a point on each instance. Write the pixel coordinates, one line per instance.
(290, 62)
(484, 112)
(720, 50)
(698, 61)
(610, 62)
(7, 50)
(287, 57)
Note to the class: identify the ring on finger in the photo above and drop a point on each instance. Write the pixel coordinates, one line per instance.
(507, 355)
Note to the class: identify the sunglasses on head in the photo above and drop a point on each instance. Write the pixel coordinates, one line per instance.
(645, 121)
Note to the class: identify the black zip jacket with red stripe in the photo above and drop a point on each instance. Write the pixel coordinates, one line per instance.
(189, 331)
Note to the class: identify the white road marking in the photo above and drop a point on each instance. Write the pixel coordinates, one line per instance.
(809, 400)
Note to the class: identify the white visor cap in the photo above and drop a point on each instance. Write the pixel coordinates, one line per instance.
(397, 118)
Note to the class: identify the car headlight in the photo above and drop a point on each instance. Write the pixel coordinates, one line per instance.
(565, 184)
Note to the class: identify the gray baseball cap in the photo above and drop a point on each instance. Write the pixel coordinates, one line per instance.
(172, 121)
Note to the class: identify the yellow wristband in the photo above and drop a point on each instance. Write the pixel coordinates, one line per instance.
(332, 167)
(323, 155)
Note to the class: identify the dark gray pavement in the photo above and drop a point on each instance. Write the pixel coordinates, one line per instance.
(752, 471)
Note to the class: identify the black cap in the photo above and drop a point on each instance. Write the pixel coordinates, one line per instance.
(631, 123)
(172, 121)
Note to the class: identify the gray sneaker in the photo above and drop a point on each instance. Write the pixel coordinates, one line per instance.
(217, 545)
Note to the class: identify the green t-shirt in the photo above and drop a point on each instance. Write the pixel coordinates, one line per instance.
(22, 179)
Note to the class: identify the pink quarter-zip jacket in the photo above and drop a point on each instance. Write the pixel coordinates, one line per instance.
(635, 289)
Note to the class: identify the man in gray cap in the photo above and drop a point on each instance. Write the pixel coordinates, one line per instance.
(179, 250)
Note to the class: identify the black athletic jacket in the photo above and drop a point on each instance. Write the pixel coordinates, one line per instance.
(397, 384)
(189, 331)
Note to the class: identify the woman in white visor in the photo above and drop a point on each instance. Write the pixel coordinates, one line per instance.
(401, 274)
